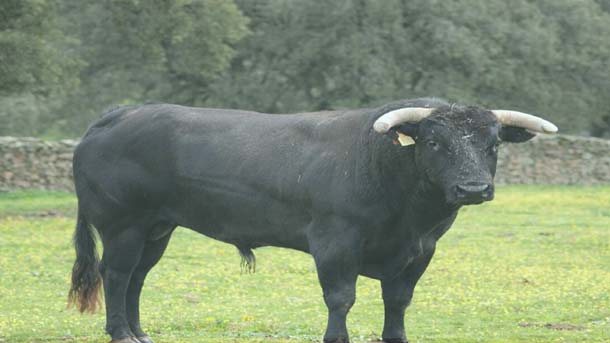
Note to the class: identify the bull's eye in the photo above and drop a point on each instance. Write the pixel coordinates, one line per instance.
(433, 145)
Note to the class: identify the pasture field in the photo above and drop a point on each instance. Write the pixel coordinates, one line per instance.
(531, 266)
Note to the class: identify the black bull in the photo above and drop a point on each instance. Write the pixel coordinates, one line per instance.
(323, 183)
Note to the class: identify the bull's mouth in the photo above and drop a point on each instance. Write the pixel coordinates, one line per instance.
(464, 202)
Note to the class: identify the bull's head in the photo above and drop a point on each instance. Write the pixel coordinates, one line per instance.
(456, 147)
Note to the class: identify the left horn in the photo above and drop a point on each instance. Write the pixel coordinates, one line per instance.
(403, 115)
(524, 120)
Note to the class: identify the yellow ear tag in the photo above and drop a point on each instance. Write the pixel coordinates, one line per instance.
(404, 139)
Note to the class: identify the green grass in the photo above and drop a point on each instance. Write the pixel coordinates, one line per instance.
(532, 266)
(37, 203)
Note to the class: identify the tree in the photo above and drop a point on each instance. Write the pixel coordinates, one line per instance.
(308, 55)
(33, 58)
(138, 51)
(37, 65)
(549, 57)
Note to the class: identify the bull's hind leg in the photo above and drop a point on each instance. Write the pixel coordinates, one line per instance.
(122, 252)
(153, 250)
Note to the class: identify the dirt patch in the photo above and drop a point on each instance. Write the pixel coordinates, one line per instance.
(40, 214)
(553, 326)
(47, 214)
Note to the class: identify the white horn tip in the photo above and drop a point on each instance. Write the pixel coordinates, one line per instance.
(524, 120)
(549, 127)
(381, 127)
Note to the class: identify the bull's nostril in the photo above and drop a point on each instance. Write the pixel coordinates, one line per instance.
(472, 188)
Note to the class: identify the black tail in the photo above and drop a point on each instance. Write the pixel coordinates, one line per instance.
(86, 278)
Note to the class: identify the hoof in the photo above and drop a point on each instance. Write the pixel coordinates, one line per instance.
(144, 339)
(337, 340)
(125, 340)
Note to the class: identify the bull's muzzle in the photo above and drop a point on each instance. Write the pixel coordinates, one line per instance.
(473, 193)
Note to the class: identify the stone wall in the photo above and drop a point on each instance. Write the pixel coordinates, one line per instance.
(29, 163)
(557, 159)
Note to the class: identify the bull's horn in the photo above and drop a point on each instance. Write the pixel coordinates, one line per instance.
(524, 120)
(401, 115)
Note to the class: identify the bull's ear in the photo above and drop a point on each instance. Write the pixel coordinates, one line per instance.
(515, 134)
(406, 133)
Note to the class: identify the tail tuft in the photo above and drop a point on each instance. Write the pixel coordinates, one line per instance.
(248, 260)
(86, 279)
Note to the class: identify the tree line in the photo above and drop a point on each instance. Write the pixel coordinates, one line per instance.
(63, 61)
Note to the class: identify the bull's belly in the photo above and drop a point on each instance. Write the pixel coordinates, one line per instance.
(242, 217)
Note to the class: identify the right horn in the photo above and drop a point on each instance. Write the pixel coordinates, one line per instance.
(524, 120)
(399, 116)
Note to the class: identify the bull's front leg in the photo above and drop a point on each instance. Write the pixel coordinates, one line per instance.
(335, 249)
(397, 294)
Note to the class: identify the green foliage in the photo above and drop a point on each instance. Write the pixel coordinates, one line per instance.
(310, 55)
(137, 51)
(532, 266)
(548, 57)
(38, 64)
(32, 55)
